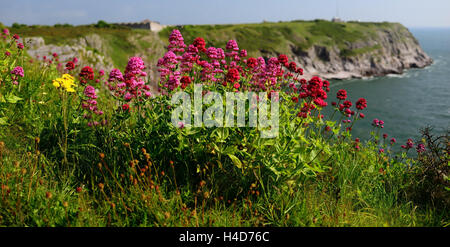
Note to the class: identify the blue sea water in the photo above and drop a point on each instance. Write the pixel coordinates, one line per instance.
(407, 102)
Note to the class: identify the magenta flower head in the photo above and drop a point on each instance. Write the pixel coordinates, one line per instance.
(361, 104)
(243, 53)
(18, 71)
(89, 92)
(393, 141)
(20, 46)
(376, 122)
(128, 96)
(232, 45)
(115, 74)
(5, 31)
(420, 148)
(176, 41)
(134, 67)
(410, 143)
(342, 94)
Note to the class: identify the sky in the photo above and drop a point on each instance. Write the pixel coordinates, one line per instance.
(411, 13)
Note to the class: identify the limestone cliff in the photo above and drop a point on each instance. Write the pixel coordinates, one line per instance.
(389, 51)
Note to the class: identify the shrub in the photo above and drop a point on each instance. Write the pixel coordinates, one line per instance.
(430, 183)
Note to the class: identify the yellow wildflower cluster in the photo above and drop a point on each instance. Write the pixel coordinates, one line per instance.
(67, 82)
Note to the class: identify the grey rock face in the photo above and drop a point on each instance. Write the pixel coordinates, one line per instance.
(87, 50)
(389, 52)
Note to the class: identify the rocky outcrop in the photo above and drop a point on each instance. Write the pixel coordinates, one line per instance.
(88, 50)
(389, 51)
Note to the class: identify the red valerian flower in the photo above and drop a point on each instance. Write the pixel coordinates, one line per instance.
(252, 62)
(70, 65)
(87, 73)
(361, 104)
(200, 44)
(292, 66)
(320, 102)
(185, 81)
(420, 148)
(243, 53)
(283, 59)
(233, 75)
(361, 115)
(342, 94)
(393, 141)
(125, 107)
(347, 104)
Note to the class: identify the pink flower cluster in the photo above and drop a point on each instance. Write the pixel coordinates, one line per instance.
(214, 65)
(89, 103)
(409, 144)
(16, 73)
(131, 85)
(176, 42)
(378, 123)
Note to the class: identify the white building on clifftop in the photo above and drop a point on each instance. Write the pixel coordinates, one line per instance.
(153, 26)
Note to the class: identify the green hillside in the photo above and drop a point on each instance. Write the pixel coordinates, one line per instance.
(262, 39)
(281, 37)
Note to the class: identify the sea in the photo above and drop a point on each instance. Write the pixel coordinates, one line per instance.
(410, 101)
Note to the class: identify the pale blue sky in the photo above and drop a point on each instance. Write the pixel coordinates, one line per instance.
(412, 13)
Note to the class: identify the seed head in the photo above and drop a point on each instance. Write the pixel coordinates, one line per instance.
(48, 194)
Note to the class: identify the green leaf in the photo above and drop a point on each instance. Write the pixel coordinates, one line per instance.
(235, 160)
(330, 123)
(12, 98)
(3, 121)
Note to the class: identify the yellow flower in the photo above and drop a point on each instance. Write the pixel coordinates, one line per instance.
(70, 90)
(66, 81)
(67, 77)
(56, 83)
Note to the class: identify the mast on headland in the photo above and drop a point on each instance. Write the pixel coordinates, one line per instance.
(337, 18)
